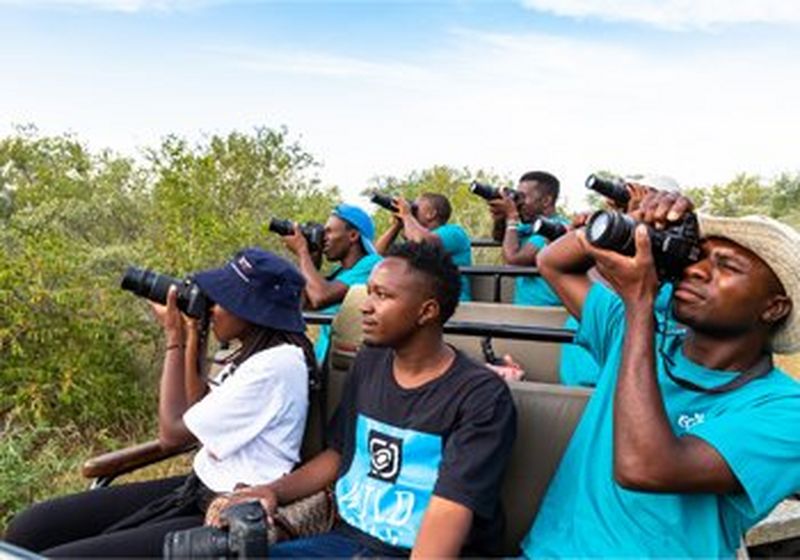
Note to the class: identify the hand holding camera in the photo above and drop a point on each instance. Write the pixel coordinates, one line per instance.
(635, 252)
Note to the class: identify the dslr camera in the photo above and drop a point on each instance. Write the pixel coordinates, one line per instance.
(674, 248)
(387, 202)
(613, 188)
(312, 231)
(244, 536)
(550, 229)
(154, 286)
(488, 192)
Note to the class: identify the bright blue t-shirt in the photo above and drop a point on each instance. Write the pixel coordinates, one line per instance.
(356, 274)
(534, 290)
(456, 244)
(577, 367)
(755, 429)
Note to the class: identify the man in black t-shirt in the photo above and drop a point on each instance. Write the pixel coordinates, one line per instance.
(422, 437)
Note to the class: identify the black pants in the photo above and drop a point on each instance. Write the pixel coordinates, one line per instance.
(75, 525)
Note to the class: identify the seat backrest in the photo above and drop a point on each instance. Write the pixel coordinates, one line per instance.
(547, 415)
(540, 360)
(346, 336)
(482, 288)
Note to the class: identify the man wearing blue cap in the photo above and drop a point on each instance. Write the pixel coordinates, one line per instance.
(348, 241)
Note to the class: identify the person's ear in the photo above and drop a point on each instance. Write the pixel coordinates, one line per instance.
(778, 307)
(429, 311)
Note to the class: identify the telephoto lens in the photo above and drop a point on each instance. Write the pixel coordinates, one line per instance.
(487, 192)
(550, 229)
(673, 248)
(614, 189)
(154, 286)
(281, 227)
(313, 232)
(384, 201)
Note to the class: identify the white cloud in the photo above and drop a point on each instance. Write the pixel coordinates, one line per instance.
(128, 6)
(676, 14)
(507, 102)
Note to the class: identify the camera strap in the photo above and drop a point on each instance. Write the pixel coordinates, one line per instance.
(761, 368)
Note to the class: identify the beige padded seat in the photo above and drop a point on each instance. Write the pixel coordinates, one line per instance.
(346, 338)
(547, 415)
(482, 288)
(540, 360)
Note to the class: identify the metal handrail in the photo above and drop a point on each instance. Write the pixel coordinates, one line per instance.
(479, 328)
(484, 242)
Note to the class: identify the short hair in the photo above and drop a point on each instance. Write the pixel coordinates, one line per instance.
(440, 203)
(547, 180)
(431, 260)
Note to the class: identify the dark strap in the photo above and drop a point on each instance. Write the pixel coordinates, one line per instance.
(761, 368)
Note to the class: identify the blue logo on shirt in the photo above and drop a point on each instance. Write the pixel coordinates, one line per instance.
(389, 484)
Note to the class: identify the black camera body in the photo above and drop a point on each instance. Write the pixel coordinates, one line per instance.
(550, 229)
(489, 192)
(387, 202)
(674, 248)
(244, 536)
(154, 286)
(312, 231)
(614, 189)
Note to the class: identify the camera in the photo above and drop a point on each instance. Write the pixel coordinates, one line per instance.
(154, 286)
(674, 248)
(551, 229)
(387, 202)
(244, 536)
(312, 231)
(614, 188)
(488, 192)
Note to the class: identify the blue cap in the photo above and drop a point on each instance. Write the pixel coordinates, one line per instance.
(360, 220)
(259, 287)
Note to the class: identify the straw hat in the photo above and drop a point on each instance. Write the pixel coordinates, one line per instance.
(776, 244)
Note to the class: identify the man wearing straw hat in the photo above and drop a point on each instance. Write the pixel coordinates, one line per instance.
(692, 434)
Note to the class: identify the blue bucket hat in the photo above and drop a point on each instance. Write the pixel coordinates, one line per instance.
(360, 220)
(258, 286)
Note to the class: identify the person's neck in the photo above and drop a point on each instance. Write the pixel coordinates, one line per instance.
(422, 358)
(734, 353)
(354, 255)
(433, 224)
(549, 211)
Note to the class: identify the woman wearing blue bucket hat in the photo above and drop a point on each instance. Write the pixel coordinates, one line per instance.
(250, 418)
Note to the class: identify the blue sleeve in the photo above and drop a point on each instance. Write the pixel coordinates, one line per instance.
(602, 322)
(537, 241)
(760, 441)
(359, 273)
(453, 238)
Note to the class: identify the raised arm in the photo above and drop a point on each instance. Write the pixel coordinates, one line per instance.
(318, 292)
(412, 229)
(172, 397)
(565, 264)
(386, 239)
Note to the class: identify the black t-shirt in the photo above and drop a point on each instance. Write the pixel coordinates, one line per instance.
(451, 437)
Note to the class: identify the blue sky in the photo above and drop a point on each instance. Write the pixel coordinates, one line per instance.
(699, 90)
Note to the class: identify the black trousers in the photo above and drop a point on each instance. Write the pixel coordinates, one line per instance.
(77, 525)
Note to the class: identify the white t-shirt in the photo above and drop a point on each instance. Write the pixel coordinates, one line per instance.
(252, 424)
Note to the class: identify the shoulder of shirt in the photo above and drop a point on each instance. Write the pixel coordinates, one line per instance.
(281, 355)
(478, 373)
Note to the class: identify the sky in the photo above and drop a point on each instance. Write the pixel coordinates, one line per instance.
(696, 89)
